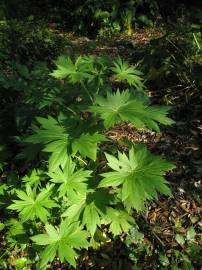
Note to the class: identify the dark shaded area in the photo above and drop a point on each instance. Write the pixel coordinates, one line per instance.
(90, 16)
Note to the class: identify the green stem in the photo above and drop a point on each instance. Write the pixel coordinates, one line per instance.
(197, 43)
(69, 109)
(98, 87)
(87, 92)
(80, 159)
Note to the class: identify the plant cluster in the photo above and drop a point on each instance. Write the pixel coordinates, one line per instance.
(29, 41)
(175, 58)
(95, 17)
(76, 181)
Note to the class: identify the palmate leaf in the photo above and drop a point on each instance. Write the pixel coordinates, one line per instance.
(94, 210)
(122, 107)
(61, 242)
(90, 208)
(76, 72)
(85, 68)
(140, 176)
(71, 182)
(31, 205)
(34, 178)
(64, 67)
(55, 139)
(125, 72)
(86, 144)
(119, 220)
(61, 140)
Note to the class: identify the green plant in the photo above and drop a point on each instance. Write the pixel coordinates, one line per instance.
(104, 18)
(192, 250)
(32, 205)
(29, 41)
(75, 186)
(62, 241)
(175, 59)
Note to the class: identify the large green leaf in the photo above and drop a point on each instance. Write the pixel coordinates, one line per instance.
(70, 181)
(90, 208)
(54, 138)
(61, 242)
(120, 107)
(63, 138)
(32, 205)
(76, 72)
(83, 69)
(140, 176)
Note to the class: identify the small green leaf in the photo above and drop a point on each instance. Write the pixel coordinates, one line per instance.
(90, 208)
(55, 139)
(125, 72)
(164, 260)
(2, 226)
(86, 144)
(75, 72)
(20, 262)
(62, 139)
(119, 220)
(33, 178)
(191, 234)
(180, 239)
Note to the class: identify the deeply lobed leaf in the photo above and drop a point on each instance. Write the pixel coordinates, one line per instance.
(139, 176)
(63, 242)
(121, 107)
(31, 205)
(62, 139)
(125, 72)
(71, 182)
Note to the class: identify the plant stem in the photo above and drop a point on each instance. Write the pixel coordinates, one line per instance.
(81, 160)
(87, 92)
(196, 40)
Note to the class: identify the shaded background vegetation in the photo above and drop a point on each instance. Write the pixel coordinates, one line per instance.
(89, 16)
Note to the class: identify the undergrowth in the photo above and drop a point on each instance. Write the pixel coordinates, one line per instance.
(75, 181)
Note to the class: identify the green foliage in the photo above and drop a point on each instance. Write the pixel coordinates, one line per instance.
(58, 187)
(124, 72)
(62, 146)
(57, 140)
(119, 221)
(83, 69)
(110, 17)
(122, 106)
(175, 58)
(71, 182)
(76, 72)
(32, 205)
(95, 17)
(63, 241)
(53, 136)
(90, 208)
(140, 175)
(29, 41)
